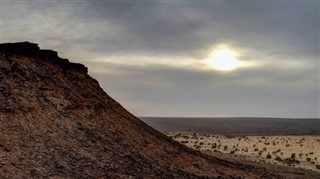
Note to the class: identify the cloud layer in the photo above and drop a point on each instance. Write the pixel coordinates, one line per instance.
(150, 55)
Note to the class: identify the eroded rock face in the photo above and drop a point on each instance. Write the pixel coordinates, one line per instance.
(56, 121)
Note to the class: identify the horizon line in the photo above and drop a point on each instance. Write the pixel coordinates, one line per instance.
(228, 117)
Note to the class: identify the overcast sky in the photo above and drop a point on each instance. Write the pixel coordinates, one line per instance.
(151, 55)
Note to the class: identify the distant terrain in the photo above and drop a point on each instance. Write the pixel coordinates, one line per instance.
(237, 125)
(297, 151)
(284, 141)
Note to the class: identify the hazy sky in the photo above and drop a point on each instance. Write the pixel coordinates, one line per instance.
(151, 56)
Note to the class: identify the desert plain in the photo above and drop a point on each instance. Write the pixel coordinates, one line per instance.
(289, 150)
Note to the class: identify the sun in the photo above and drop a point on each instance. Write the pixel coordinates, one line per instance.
(224, 60)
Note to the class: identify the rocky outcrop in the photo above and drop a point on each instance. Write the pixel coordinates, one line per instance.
(57, 122)
(32, 50)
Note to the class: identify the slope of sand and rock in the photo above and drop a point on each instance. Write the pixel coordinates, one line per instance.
(57, 122)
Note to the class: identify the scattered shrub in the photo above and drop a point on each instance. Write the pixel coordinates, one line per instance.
(278, 159)
(185, 137)
(225, 147)
(214, 145)
(308, 159)
(293, 156)
(268, 156)
(290, 161)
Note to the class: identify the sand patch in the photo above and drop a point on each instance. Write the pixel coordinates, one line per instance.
(296, 151)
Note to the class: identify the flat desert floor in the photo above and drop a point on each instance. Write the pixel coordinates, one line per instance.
(296, 151)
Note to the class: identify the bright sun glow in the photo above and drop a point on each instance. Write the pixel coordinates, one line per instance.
(224, 60)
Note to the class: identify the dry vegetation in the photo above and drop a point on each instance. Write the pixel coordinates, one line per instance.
(296, 151)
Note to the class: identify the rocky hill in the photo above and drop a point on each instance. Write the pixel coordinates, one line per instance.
(57, 122)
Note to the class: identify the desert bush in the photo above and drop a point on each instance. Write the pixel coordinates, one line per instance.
(293, 155)
(201, 143)
(287, 145)
(268, 156)
(278, 159)
(184, 141)
(232, 152)
(290, 161)
(256, 149)
(311, 153)
(277, 151)
(264, 149)
(185, 137)
(308, 159)
(318, 167)
(214, 145)
(225, 147)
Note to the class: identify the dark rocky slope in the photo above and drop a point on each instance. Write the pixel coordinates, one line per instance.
(57, 122)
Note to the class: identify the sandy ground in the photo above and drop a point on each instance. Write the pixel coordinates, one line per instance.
(296, 151)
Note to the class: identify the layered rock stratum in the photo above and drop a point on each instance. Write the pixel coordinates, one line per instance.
(57, 122)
